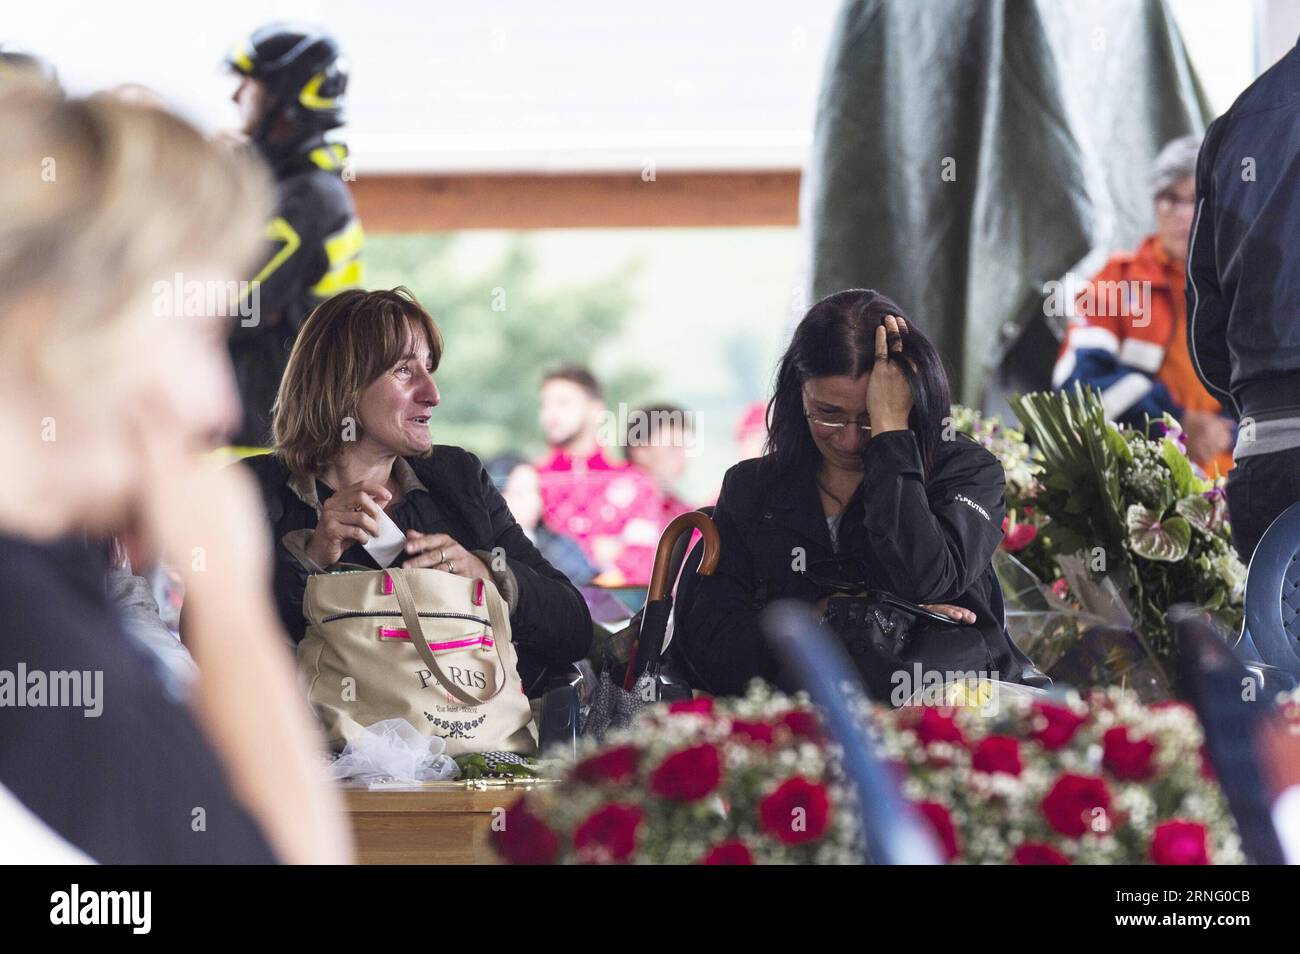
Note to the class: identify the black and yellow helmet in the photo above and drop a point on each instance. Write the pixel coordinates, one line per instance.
(303, 70)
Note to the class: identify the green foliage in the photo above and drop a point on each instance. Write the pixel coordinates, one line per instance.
(1081, 455)
(1137, 497)
(1197, 511)
(1180, 469)
(500, 333)
(1157, 539)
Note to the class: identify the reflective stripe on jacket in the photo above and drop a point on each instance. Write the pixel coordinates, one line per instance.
(1128, 339)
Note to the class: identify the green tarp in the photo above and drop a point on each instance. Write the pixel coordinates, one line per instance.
(969, 151)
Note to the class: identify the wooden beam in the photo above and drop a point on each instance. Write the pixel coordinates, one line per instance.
(438, 203)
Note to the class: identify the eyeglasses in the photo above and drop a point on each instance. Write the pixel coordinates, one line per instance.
(835, 423)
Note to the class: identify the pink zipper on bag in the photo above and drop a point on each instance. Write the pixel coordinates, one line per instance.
(468, 642)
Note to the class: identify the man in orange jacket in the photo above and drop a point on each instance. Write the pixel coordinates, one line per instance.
(1127, 335)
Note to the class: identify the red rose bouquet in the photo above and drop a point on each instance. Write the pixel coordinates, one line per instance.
(1099, 779)
(747, 781)
(1102, 779)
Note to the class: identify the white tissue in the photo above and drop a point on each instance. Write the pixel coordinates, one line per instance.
(386, 547)
(394, 749)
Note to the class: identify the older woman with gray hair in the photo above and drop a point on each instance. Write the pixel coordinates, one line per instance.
(1128, 334)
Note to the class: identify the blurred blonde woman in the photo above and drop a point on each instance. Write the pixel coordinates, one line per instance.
(108, 397)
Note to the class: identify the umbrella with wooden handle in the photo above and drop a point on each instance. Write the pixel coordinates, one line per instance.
(645, 659)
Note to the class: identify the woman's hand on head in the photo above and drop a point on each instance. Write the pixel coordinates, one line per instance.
(349, 516)
(442, 552)
(889, 396)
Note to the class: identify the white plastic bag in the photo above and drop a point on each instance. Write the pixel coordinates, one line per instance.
(393, 749)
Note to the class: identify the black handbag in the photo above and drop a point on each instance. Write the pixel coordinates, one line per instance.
(891, 640)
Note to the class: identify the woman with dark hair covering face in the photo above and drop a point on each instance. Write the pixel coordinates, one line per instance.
(864, 481)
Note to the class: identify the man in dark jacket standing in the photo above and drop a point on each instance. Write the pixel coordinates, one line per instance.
(1243, 292)
(292, 81)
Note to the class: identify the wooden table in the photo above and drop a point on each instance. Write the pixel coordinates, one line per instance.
(430, 823)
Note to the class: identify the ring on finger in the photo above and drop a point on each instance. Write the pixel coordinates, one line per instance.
(442, 557)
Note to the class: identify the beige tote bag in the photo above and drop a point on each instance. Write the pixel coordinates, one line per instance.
(417, 644)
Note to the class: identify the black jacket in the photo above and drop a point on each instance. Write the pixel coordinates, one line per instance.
(549, 621)
(312, 252)
(928, 543)
(123, 784)
(1243, 272)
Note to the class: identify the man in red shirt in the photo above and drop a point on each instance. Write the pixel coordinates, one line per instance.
(612, 509)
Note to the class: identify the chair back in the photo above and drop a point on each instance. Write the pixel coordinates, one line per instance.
(1213, 681)
(1273, 593)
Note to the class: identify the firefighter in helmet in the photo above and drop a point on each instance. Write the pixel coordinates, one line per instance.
(290, 94)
